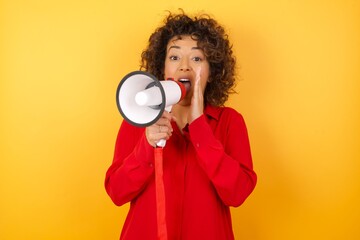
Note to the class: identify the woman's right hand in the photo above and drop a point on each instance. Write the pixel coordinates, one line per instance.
(162, 129)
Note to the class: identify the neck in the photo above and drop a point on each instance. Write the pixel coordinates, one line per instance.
(181, 115)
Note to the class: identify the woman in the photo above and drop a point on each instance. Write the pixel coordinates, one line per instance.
(207, 159)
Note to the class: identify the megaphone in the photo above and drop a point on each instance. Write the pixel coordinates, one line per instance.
(141, 98)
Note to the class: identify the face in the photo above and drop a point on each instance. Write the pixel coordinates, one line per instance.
(183, 59)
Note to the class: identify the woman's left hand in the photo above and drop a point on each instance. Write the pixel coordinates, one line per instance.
(197, 101)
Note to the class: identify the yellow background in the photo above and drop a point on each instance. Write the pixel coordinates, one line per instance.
(61, 62)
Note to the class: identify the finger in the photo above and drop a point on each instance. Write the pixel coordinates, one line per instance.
(165, 122)
(167, 115)
(197, 91)
(156, 131)
(162, 129)
(160, 136)
(197, 101)
(165, 129)
(198, 73)
(154, 137)
(197, 81)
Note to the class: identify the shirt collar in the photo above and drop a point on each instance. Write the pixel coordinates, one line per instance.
(212, 112)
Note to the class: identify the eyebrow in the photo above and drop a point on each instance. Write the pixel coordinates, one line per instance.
(177, 47)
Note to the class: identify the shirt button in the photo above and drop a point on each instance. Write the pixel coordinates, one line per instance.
(197, 145)
(151, 165)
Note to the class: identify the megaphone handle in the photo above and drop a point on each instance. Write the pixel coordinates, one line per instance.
(162, 142)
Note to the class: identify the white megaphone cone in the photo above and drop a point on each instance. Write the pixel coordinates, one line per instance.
(142, 99)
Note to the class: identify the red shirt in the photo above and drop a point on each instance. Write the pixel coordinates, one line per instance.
(206, 170)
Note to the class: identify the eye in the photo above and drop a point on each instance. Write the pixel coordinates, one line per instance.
(173, 57)
(197, 59)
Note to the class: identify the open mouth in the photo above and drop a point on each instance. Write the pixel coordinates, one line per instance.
(186, 83)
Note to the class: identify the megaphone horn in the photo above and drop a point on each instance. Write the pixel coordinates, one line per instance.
(141, 98)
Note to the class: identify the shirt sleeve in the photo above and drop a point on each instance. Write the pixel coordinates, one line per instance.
(227, 163)
(132, 166)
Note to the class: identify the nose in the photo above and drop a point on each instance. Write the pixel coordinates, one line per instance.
(184, 66)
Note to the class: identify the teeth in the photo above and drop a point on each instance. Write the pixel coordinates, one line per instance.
(184, 80)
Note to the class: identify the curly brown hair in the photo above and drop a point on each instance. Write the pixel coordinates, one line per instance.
(213, 40)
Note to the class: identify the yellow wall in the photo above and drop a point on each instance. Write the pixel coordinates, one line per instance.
(61, 62)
